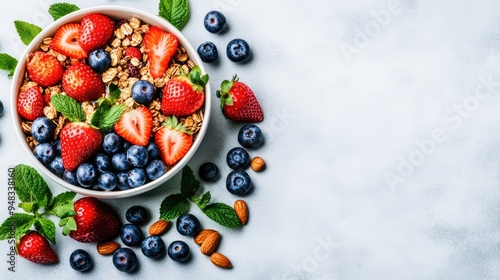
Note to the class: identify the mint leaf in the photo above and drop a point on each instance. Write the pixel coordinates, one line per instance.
(58, 10)
(114, 93)
(173, 206)
(189, 184)
(175, 11)
(27, 31)
(29, 207)
(100, 113)
(111, 117)
(19, 224)
(68, 107)
(46, 228)
(30, 186)
(222, 214)
(202, 201)
(68, 225)
(8, 63)
(63, 198)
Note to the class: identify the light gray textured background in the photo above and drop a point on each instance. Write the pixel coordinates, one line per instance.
(382, 126)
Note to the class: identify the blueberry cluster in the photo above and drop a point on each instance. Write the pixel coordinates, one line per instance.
(237, 50)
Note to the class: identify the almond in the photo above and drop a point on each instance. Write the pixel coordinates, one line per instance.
(158, 228)
(107, 247)
(241, 209)
(220, 260)
(202, 235)
(257, 164)
(210, 243)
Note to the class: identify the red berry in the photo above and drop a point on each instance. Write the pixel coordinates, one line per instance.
(36, 248)
(95, 31)
(161, 46)
(238, 102)
(82, 83)
(44, 69)
(65, 41)
(30, 103)
(79, 142)
(136, 126)
(173, 140)
(133, 52)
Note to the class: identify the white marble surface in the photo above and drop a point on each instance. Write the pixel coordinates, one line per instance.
(382, 131)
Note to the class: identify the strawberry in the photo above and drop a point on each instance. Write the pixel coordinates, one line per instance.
(238, 102)
(95, 221)
(136, 126)
(65, 41)
(79, 142)
(36, 248)
(30, 103)
(173, 140)
(82, 83)
(44, 69)
(95, 31)
(160, 47)
(133, 52)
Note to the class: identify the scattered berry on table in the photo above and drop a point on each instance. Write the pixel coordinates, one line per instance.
(44, 152)
(208, 171)
(137, 156)
(79, 142)
(238, 182)
(80, 260)
(65, 41)
(188, 224)
(125, 260)
(136, 214)
(120, 163)
(95, 31)
(214, 22)
(136, 177)
(86, 174)
(131, 235)
(36, 248)
(70, 177)
(178, 251)
(103, 162)
(112, 143)
(107, 181)
(56, 166)
(30, 103)
(238, 158)
(238, 50)
(99, 60)
(250, 136)
(136, 126)
(174, 141)
(143, 92)
(82, 83)
(208, 52)
(44, 69)
(160, 46)
(238, 102)
(155, 169)
(42, 129)
(153, 247)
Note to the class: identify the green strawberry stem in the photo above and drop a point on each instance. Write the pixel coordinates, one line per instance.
(174, 124)
(199, 81)
(223, 93)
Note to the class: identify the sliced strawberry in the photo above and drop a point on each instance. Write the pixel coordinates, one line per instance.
(79, 142)
(82, 83)
(174, 141)
(161, 46)
(136, 126)
(95, 31)
(30, 102)
(133, 52)
(36, 248)
(44, 69)
(65, 41)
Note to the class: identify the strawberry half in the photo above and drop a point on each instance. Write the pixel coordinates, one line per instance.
(95, 221)
(44, 69)
(238, 102)
(95, 31)
(182, 96)
(36, 248)
(136, 126)
(79, 142)
(174, 141)
(30, 102)
(65, 41)
(160, 46)
(82, 83)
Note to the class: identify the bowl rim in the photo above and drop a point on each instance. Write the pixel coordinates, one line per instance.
(113, 12)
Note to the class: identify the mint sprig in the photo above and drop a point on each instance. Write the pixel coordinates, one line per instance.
(8, 63)
(58, 10)
(27, 31)
(69, 107)
(107, 115)
(175, 11)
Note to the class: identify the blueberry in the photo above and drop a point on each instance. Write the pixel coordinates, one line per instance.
(131, 235)
(119, 162)
(103, 162)
(178, 251)
(238, 50)
(80, 260)
(156, 169)
(143, 92)
(42, 129)
(136, 177)
(70, 177)
(153, 247)
(86, 174)
(187, 224)
(56, 166)
(125, 260)
(250, 136)
(123, 181)
(1, 107)
(136, 214)
(208, 171)
(57, 147)
(137, 156)
(214, 22)
(112, 143)
(238, 182)
(99, 60)
(208, 52)
(153, 150)
(44, 153)
(107, 181)
(238, 158)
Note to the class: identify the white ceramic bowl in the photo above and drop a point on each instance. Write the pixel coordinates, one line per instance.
(115, 13)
